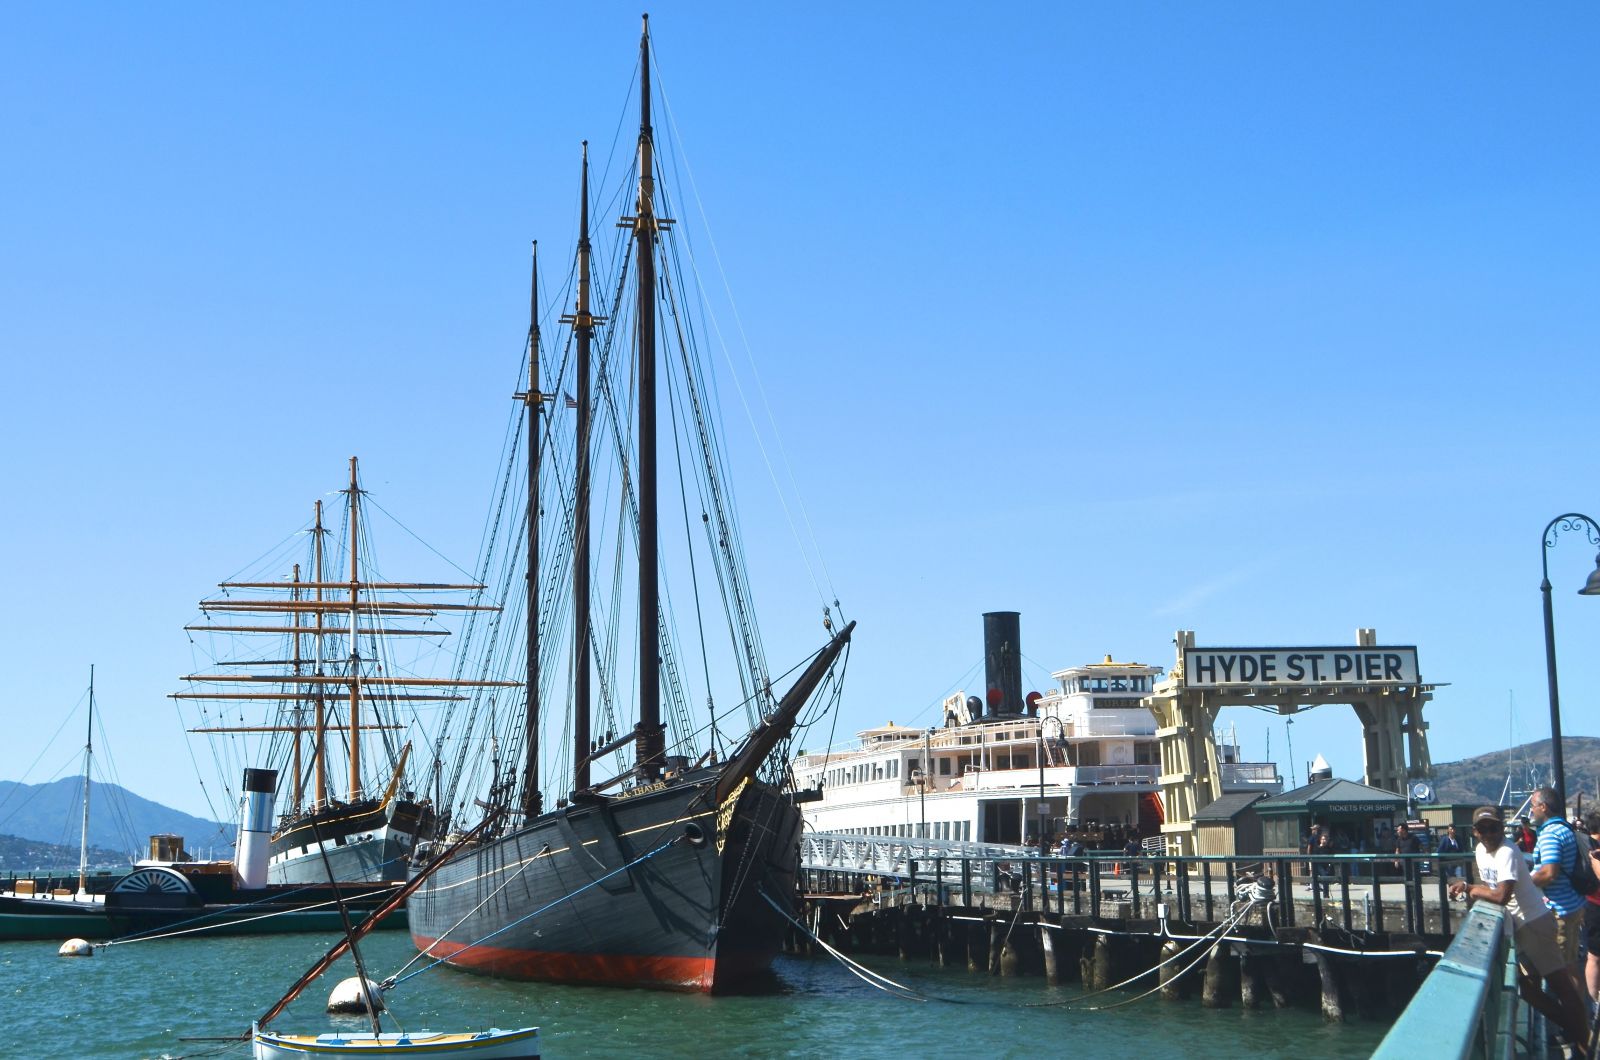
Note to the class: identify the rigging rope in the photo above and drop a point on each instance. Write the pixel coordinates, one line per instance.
(391, 983)
(145, 936)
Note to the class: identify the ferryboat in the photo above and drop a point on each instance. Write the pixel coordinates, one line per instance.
(1081, 756)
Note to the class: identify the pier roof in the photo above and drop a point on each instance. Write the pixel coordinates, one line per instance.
(1332, 796)
(1229, 806)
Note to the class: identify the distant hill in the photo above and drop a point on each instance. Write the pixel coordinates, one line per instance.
(18, 855)
(1482, 778)
(119, 820)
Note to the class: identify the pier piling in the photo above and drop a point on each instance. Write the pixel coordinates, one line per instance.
(1047, 948)
(1221, 978)
(1332, 1005)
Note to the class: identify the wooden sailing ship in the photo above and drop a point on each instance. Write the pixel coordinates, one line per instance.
(330, 655)
(675, 871)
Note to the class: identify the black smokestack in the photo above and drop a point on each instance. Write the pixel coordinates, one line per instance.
(1002, 662)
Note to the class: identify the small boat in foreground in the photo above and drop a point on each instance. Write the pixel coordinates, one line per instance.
(492, 1044)
(521, 1043)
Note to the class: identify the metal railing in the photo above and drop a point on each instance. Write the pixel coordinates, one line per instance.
(888, 855)
(1467, 1007)
(1118, 774)
(1362, 894)
(1089, 726)
(1250, 773)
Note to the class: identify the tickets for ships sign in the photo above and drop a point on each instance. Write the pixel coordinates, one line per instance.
(1298, 667)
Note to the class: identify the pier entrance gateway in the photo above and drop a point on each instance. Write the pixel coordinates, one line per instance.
(1381, 683)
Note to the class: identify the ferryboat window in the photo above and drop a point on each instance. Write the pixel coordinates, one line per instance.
(944, 767)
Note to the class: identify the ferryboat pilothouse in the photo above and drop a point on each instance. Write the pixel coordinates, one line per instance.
(1082, 756)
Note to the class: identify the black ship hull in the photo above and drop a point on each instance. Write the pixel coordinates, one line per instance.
(365, 842)
(663, 888)
(204, 899)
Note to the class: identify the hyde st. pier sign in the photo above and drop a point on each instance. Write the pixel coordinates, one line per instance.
(1299, 667)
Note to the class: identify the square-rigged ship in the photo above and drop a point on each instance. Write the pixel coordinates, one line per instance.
(321, 655)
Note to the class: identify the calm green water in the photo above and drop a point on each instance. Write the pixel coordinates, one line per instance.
(138, 1000)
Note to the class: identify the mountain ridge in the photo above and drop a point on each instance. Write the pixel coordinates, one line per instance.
(119, 820)
(1481, 778)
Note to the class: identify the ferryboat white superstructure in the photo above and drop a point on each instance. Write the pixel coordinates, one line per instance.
(1081, 756)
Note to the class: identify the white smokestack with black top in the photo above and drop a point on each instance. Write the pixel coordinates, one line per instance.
(255, 828)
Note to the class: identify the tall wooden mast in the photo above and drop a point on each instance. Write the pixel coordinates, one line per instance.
(582, 322)
(299, 708)
(326, 601)
(319, 750)
(532, 801)
(355, 646)
(648, 738)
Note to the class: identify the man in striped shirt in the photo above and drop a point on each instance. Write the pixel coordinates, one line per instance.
(1555, 857)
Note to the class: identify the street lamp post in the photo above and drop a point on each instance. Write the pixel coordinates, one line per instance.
(1568, 523)
(1044, 838)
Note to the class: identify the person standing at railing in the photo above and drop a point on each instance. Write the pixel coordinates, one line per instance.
(1449, 844)
(1507, 882)
(1406, 842)
(1403, 843)
(1555, 858)
(1322, 870)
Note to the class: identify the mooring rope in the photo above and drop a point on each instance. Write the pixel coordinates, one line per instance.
(861, 971)
(1222, 931)
(1215, 938)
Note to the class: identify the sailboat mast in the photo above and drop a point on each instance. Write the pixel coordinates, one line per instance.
(88, 753)
(647, 737)
(355, 646)
(319, 752)
(583, 325)
(532, 803)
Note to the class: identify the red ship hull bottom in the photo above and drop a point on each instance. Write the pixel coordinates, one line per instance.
(696, 974)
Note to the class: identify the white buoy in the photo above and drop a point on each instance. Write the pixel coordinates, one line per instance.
(349, 997)
(76, 948)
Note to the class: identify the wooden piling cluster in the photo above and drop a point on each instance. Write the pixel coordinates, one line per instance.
(1258, 965)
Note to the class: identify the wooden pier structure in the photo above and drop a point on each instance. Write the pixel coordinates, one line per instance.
(1355, 934)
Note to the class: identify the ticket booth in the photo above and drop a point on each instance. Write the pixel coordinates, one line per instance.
(1356, 815)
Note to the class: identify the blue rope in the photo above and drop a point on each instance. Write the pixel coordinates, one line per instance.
(390, 984)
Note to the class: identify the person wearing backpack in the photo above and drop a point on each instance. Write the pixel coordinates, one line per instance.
(1546, 982)
(1591, 912)
(1560, 867)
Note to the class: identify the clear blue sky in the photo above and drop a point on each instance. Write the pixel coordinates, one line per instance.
(1264, 321)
